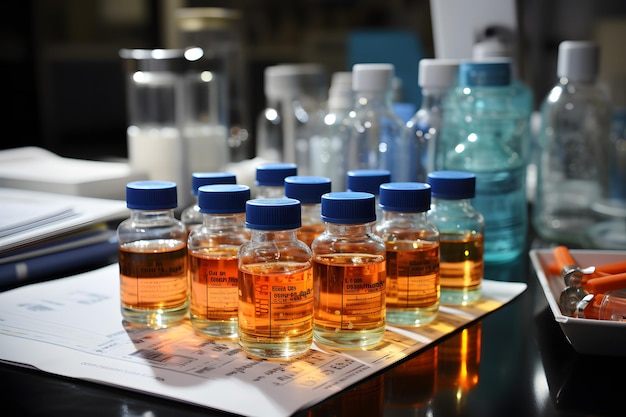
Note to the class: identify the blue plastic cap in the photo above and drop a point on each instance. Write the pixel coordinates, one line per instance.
(274, 174)
(198, 179)
(307, 189)
(273, 214)
(475, 74)
(348, 207)
(223, 198)
(452, 185)
(151, 195)
(412, 197)
(367, 180)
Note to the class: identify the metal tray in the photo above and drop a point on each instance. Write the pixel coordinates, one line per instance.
(587, 336)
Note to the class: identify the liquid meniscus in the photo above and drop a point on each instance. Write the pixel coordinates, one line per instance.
(153, 281)
(461, 267)
(276, 308)
(350, 305)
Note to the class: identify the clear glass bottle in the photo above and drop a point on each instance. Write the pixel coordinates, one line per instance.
(349, 273)
(326, 145)
(436, 77)
(275, 282)
(270, 179)
(485, 132)
(368, 181)
(412, 243)
(295, 94)
(309, 190)
(375, 137)
(461, 236)
(213, 264)
(191, 216)
(154, 289)
(572, 171)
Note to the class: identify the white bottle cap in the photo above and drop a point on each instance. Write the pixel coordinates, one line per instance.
(578, 60)
(372, 77)
(340, 94)
(438, 73)
(289, 80)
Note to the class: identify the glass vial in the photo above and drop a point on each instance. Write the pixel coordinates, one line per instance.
(275, 282)
(485, 132)
(412, 244)
(368, 181)
(213, 265)
(270, 179)
(435, 78)
(349, 273)
(191, 216)
(572, 171)
(461, 228)
(309, 190)
(375, 136)
(153, 257)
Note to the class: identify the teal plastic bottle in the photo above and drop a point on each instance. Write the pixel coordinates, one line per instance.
(485, 131)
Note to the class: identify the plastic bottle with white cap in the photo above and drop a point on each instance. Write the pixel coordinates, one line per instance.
(572, 170)
(326, 145)
(435, 77)
(375, 135)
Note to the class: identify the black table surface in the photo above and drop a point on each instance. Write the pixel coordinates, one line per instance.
(513, 362)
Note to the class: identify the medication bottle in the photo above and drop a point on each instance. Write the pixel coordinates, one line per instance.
(295, 94)
(435, 78)
(349, 273)
(327, 144)
(368, 181)
(412, 244)
(309, 190)
(461, 229)
(275, 282)
(375, 136)
(153, 257)
(485, 132)
(270, 178)
(573, 168)
(191, 216)
(213, 265)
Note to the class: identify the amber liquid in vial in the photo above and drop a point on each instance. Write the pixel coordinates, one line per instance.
(412, 281)
(154, 288)
(213, 275)
(276, 309)
(461, 267)
(350, 305)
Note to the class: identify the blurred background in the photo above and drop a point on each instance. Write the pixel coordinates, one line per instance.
(64, 82)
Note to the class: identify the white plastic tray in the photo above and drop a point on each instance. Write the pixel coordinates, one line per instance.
(587, 336)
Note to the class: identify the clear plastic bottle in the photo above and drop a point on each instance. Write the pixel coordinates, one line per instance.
(461, 236)
(270, 179)
(295, 94)
(309, 190)
(368, 181)
(412, 243)
(327, 143)
(349, 273)
(191, 216)
(485, 132)
(375, 137)
(436, 77)
(572, 171)
(154, 289)
(213, 265)
(275, 282)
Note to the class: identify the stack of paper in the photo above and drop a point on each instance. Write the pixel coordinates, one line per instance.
(32, 168)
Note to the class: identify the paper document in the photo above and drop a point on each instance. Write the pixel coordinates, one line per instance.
(73, 327)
